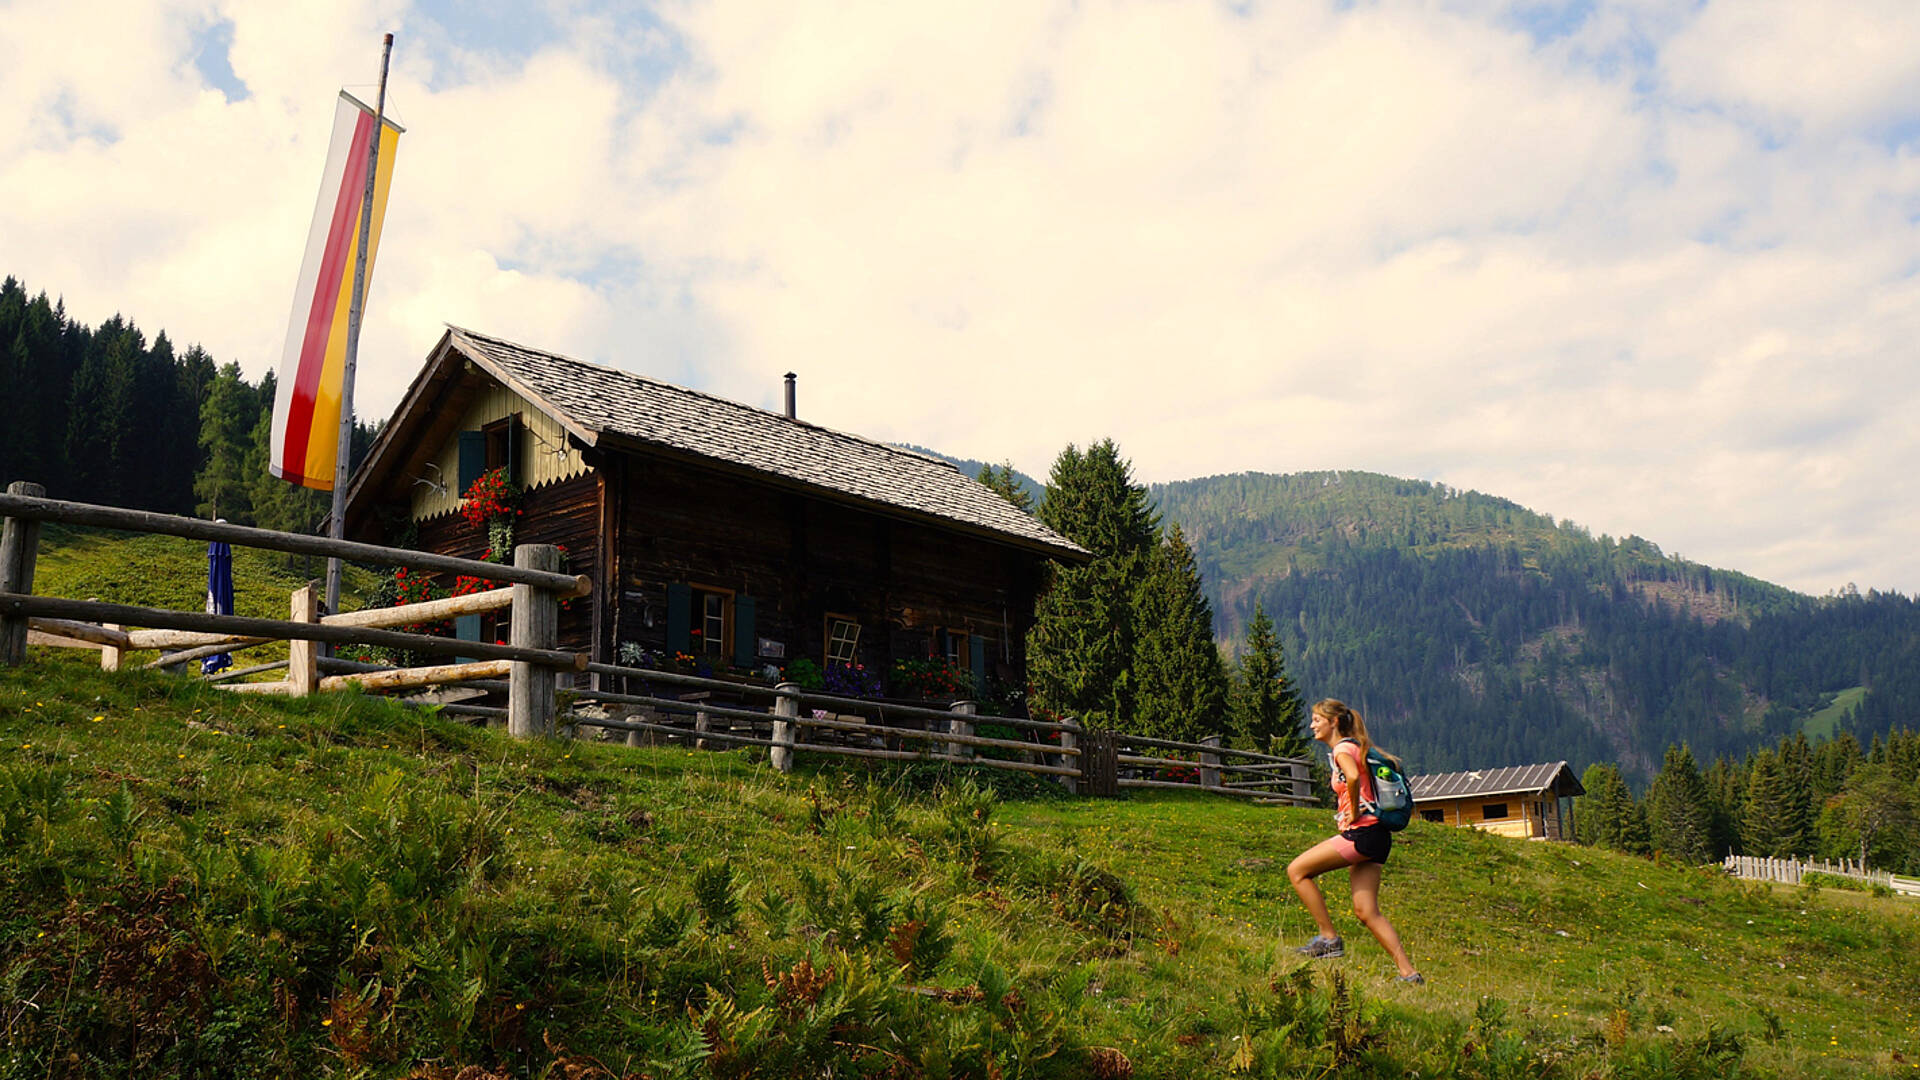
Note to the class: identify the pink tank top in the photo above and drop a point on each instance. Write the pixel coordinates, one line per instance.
(1350, 750)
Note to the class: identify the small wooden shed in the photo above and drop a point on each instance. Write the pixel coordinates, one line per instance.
(1529, 802)
(742, 537)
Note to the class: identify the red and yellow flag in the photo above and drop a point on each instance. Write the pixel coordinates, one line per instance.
(306, 410)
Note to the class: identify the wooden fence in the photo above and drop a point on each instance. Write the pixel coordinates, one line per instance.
(1793, 871)
(671, 708)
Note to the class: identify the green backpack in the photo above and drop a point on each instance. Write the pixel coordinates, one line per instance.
(1392, 801)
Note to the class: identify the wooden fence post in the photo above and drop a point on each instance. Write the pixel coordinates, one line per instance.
(303, 657)
(19, 547)
(1210, 763)
(1301, 782)
(536, 625)
(786, 709)
(1100, 765)
(1068, 741)
(961, 724)
(112, 656)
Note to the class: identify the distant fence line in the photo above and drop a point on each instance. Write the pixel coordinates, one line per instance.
(1793, 871)
(672, 709)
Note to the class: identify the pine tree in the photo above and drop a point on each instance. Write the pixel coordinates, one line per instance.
(226, 435)
(1636, 836)
(1093, 501)
(1606, 815)
(1007, 486)
(1796, 766)
(1677, 812)
(1267, 709)
(1080, 650)
(1180, 685)
(1727, 797)
(1833, 761)
(1769, 828)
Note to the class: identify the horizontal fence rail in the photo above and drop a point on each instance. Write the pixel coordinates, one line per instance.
(246, 626)
(29, 508)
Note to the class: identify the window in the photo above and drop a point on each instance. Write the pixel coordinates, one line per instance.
(712, 622)
(1493, 811)
(843, 640)
(501, 444)
(955, 646)
(1435, 815)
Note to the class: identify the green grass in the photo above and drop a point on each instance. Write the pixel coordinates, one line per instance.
(1826, 723)
(197, 883)
(170, 572)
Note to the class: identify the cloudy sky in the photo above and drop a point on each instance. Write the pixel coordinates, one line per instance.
(1648, 266)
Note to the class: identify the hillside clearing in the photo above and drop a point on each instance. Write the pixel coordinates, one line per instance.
(341, 886)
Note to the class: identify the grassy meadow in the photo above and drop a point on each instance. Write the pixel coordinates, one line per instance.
(194, 883)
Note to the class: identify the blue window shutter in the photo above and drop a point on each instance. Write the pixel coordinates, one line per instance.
(466, 628)
(680, 618)
(743, 640)
(979, 659)
(473, 459)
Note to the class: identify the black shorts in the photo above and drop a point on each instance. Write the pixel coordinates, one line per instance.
(1373, 843)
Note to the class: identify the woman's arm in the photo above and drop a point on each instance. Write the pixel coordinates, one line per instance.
(1345, 757)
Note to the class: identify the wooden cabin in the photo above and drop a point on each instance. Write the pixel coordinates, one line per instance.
(742, 538)
(1529, 802)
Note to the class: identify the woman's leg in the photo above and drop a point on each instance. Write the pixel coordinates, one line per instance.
(1366, 907)
(1309, 864)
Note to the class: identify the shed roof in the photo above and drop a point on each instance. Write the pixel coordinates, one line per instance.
(620, 410)
(1556, 776)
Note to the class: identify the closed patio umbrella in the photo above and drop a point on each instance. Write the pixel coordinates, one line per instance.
(219, 598)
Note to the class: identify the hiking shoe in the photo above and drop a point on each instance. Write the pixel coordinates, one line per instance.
(1321, 948)
(1415, 979)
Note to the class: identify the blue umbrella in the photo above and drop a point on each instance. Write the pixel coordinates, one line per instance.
(219, 597)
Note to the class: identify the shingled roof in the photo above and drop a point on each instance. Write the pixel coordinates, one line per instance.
(596, 403)
(1512, 780)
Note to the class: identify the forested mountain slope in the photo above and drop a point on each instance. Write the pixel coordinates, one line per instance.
(1477, 633)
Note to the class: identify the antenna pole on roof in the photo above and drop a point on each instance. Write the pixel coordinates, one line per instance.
(343, 462)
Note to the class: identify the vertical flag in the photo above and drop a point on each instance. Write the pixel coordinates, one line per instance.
(306, 411)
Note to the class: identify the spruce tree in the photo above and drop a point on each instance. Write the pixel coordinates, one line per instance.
(1267, 709)
(1605, 815)
(1180, 685)
(1636, 836)
(1093, 501)
(1080, 650)
(1768, 827)
(1678, 815)
(1796, 765)
(226, 435)
(1727, 796)
(1007, 486)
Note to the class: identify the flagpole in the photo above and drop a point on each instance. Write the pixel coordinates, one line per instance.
(343, 459)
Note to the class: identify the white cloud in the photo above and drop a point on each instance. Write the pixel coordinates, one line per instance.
(1654, 275)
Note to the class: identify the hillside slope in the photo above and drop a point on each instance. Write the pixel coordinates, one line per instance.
(1479, 633)
(202, 884)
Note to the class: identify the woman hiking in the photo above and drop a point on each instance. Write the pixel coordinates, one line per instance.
(1362, 843)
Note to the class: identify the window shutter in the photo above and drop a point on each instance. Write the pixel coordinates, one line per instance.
(466, 628)
(680, 618)
(979, 663)
(473, 459)
(743, 640)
